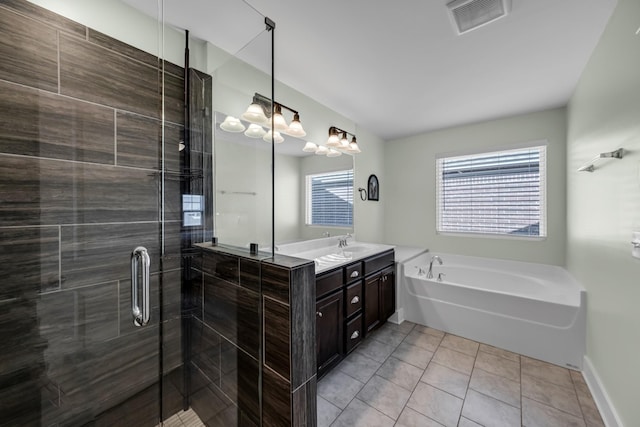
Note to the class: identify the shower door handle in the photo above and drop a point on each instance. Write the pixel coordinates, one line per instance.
(140, 263)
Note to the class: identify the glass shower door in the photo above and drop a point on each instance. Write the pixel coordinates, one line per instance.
(83, 120)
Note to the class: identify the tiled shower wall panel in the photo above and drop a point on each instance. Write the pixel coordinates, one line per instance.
(80, 156)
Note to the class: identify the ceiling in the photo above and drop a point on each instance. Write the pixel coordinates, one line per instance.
(399, 68)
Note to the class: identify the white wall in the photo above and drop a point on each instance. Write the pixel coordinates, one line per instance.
(408, 191)
(604, 206)
(369, 215)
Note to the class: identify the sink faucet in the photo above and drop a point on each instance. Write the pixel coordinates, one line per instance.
(430, 272)
(342, 242)
(326, 234)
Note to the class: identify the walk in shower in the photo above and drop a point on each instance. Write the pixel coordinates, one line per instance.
(106, 176)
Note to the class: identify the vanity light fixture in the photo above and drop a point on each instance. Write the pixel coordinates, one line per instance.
(259, 113)
(338, 139)
(333, 153)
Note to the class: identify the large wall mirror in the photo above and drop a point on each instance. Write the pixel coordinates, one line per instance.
(313, 192)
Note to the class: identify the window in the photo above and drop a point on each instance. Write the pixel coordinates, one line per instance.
(500, 192)
(192, 207)
(329, 199)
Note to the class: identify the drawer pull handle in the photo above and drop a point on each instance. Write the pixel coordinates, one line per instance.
(355, 335)
(355, 274)
(319, 313)
(355, 300)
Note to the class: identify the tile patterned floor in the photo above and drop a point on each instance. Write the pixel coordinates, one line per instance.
(409, 375)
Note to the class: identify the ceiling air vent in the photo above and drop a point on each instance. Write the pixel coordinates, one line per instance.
(471, 14)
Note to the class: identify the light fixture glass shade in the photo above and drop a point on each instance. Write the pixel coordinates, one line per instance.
(231, 124)
(353, 147)
(255, 131)
(295, 127)
(279, 123)
(333, 153)
(255, 114)
(322, 151)
(181, 146)
(333, 140)
(310, 147)
(344, 142)
(277, 138)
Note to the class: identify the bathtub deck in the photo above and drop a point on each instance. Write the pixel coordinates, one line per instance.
(412, 375)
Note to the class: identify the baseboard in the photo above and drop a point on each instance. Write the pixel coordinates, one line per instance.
(600, 396)
(397, 317)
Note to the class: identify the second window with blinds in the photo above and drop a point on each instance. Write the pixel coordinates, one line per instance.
(329, 199)
(493, 193)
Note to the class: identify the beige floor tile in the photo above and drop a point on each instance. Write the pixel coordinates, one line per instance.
(411, 418)
(413, 355)
(460, 344)
(546, 371)
(339, 388)
(359, 414)
(588, 406)
(436, 404)
(446, 379)
(496, 386)
(427, 330)
(498, 365)
(490, 412)
(500, 352)
(375, 350)
(535, 414)
(384, 396)
(454, 359)
(359, 366)
(400, 373)
(327, 412)
(426, 341)
(562, 398)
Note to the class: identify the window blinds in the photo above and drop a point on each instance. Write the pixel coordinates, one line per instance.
(330, 199)
(501, 192)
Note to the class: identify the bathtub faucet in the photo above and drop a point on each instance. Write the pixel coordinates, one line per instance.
(430, 272)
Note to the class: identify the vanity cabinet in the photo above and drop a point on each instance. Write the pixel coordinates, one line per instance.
(329, 319)
(379, 298)
(352, 301)
(329, 340)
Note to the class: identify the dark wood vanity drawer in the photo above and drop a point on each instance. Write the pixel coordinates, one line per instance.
(353, 272)
(354, 333)
(328, 282)
(353, 298)
(378, 262)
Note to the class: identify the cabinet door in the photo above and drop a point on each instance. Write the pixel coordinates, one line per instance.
(371, 303)
(329, 330)
(387, 294)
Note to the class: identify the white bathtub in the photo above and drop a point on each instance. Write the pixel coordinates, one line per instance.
(532, 309)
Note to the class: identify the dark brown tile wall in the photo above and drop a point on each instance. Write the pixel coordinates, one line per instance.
(65, 128)
(80, 165)
(230, 351)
